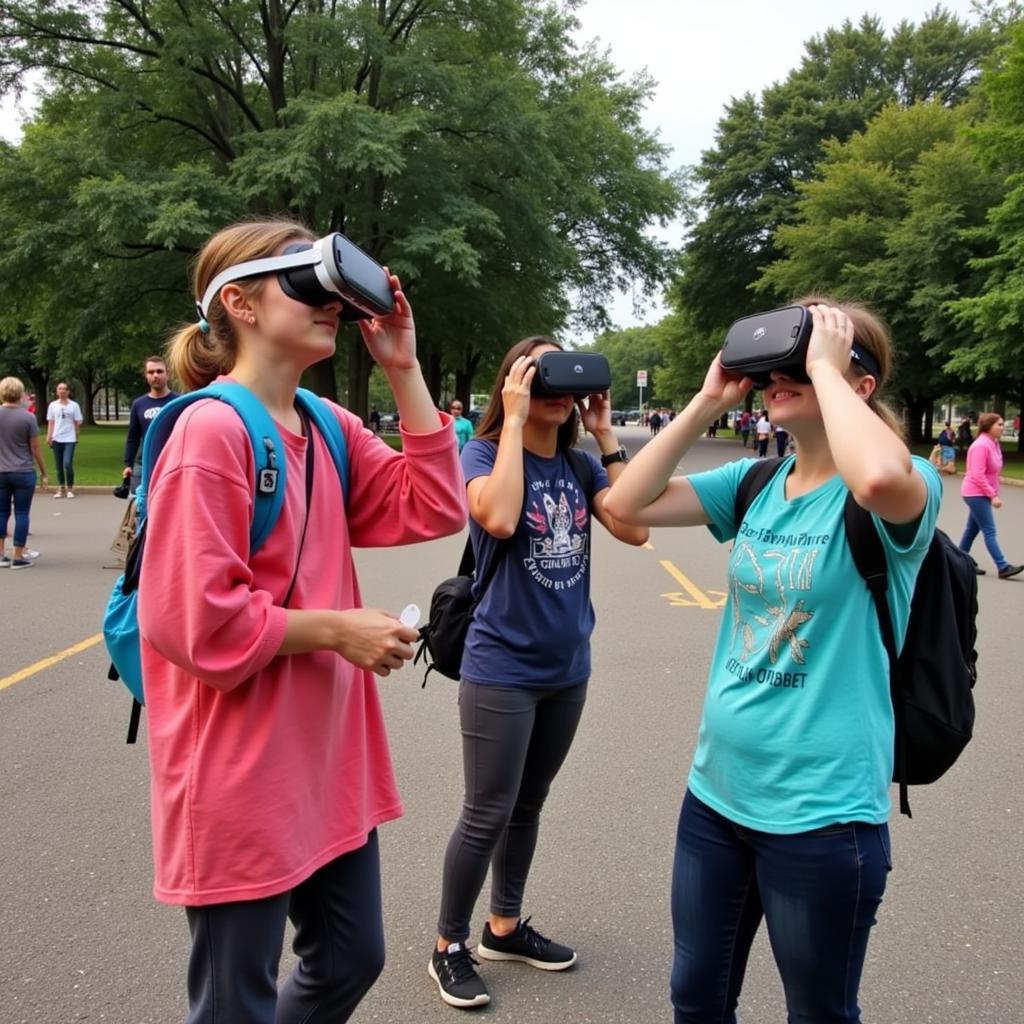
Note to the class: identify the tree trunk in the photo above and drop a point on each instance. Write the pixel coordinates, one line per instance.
(464, 377)
(320, 379)
(359, 366)
(915, 408)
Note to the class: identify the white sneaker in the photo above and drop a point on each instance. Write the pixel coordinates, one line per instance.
(58, 494)
(71, 494)
(30, 554)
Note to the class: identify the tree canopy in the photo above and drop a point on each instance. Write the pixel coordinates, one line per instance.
(468, 144)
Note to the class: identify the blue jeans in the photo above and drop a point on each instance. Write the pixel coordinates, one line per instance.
(17, 489)
(817, 891)
(980, 520)
(64, 456)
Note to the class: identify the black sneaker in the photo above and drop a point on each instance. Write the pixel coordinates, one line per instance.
(456, 977)
(1010, 570)
(528, 945)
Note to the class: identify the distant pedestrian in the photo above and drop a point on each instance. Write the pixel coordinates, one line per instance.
(63, 424)
(745, 419)
(144, 410)
(463, 426)
(655, 422)
(781, 440)
(19, 449)
(375, 420)
(980, 489)
(947, 450)
(764, 433)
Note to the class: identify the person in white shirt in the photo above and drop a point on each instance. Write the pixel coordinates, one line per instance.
(764, 433)
(63, 424)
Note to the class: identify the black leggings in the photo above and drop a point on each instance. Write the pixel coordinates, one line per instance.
(339, 939)
(514, 741)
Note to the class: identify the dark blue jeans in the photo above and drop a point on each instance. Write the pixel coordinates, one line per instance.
(64, 457)
(339, 939)
(17, 489)
(980, 520)
(817, 891)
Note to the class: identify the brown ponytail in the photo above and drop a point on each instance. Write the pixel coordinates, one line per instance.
(194, 357)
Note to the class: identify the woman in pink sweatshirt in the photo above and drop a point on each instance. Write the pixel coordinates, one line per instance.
(980, 489)
(270, 769)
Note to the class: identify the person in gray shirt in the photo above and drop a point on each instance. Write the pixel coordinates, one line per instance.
(19, 449)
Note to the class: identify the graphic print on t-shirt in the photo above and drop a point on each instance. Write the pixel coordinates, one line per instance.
(764, 612)
(558, 533)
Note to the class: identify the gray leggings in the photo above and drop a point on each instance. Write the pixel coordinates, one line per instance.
(514, 741)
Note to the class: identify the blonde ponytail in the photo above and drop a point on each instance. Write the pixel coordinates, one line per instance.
(196, 357)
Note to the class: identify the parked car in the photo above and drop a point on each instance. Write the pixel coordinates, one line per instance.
(618, 418)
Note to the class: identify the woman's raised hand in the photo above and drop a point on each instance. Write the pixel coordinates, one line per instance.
(831, 338)
(722, 388)
(596, 412)
(515, 393)
(391, 339)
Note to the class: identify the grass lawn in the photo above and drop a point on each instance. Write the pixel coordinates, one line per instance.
(101, 449)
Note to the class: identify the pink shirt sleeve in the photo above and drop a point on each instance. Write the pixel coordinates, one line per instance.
(198, 604)
(403, 497)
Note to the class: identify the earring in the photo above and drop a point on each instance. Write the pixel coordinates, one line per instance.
(251, 320)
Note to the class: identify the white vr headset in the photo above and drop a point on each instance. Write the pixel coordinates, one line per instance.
(331, 269)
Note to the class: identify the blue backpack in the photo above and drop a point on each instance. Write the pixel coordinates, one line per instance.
(121, 619)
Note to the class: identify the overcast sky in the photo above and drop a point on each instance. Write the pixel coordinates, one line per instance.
(701, 54)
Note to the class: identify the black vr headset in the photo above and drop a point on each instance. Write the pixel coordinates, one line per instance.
(777, 340)
(328, 270)
(570, 373)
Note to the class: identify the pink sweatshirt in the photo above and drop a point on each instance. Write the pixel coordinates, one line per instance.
(984, 464)
(265, 768)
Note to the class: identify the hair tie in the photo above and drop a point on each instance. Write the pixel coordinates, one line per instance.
(203, 325)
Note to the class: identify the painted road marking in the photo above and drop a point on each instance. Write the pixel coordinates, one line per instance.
(31, 670)
(697, 598)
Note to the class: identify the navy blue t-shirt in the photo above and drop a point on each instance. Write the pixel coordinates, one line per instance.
(144, 408)
(533, 626)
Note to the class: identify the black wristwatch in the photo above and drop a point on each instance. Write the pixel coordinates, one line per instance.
(616, 456)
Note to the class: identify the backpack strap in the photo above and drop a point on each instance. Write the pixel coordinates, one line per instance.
(869, 558)
(754, 481)
(268, 452)
(584, 470)
(330, 429)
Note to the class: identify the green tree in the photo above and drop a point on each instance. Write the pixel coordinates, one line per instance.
(465, 143)
(994, 315)
(629, 350)
(766, 147)
(884, 223)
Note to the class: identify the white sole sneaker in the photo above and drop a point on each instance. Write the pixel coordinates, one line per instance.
(481, 1000)
(541, 965)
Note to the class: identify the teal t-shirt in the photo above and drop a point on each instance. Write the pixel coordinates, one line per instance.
(797, 729)
(463, 431)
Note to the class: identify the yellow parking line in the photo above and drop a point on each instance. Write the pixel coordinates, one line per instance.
(31, 670)
(697, 597)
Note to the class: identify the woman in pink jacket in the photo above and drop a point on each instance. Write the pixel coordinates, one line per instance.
(270, 769)
(980, 489)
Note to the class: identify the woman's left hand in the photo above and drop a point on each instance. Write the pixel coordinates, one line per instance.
(831, 339)
(595, 412)
(391, 339)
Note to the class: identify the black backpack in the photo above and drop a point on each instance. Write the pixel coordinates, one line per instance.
(443, 637)
(932, 680)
